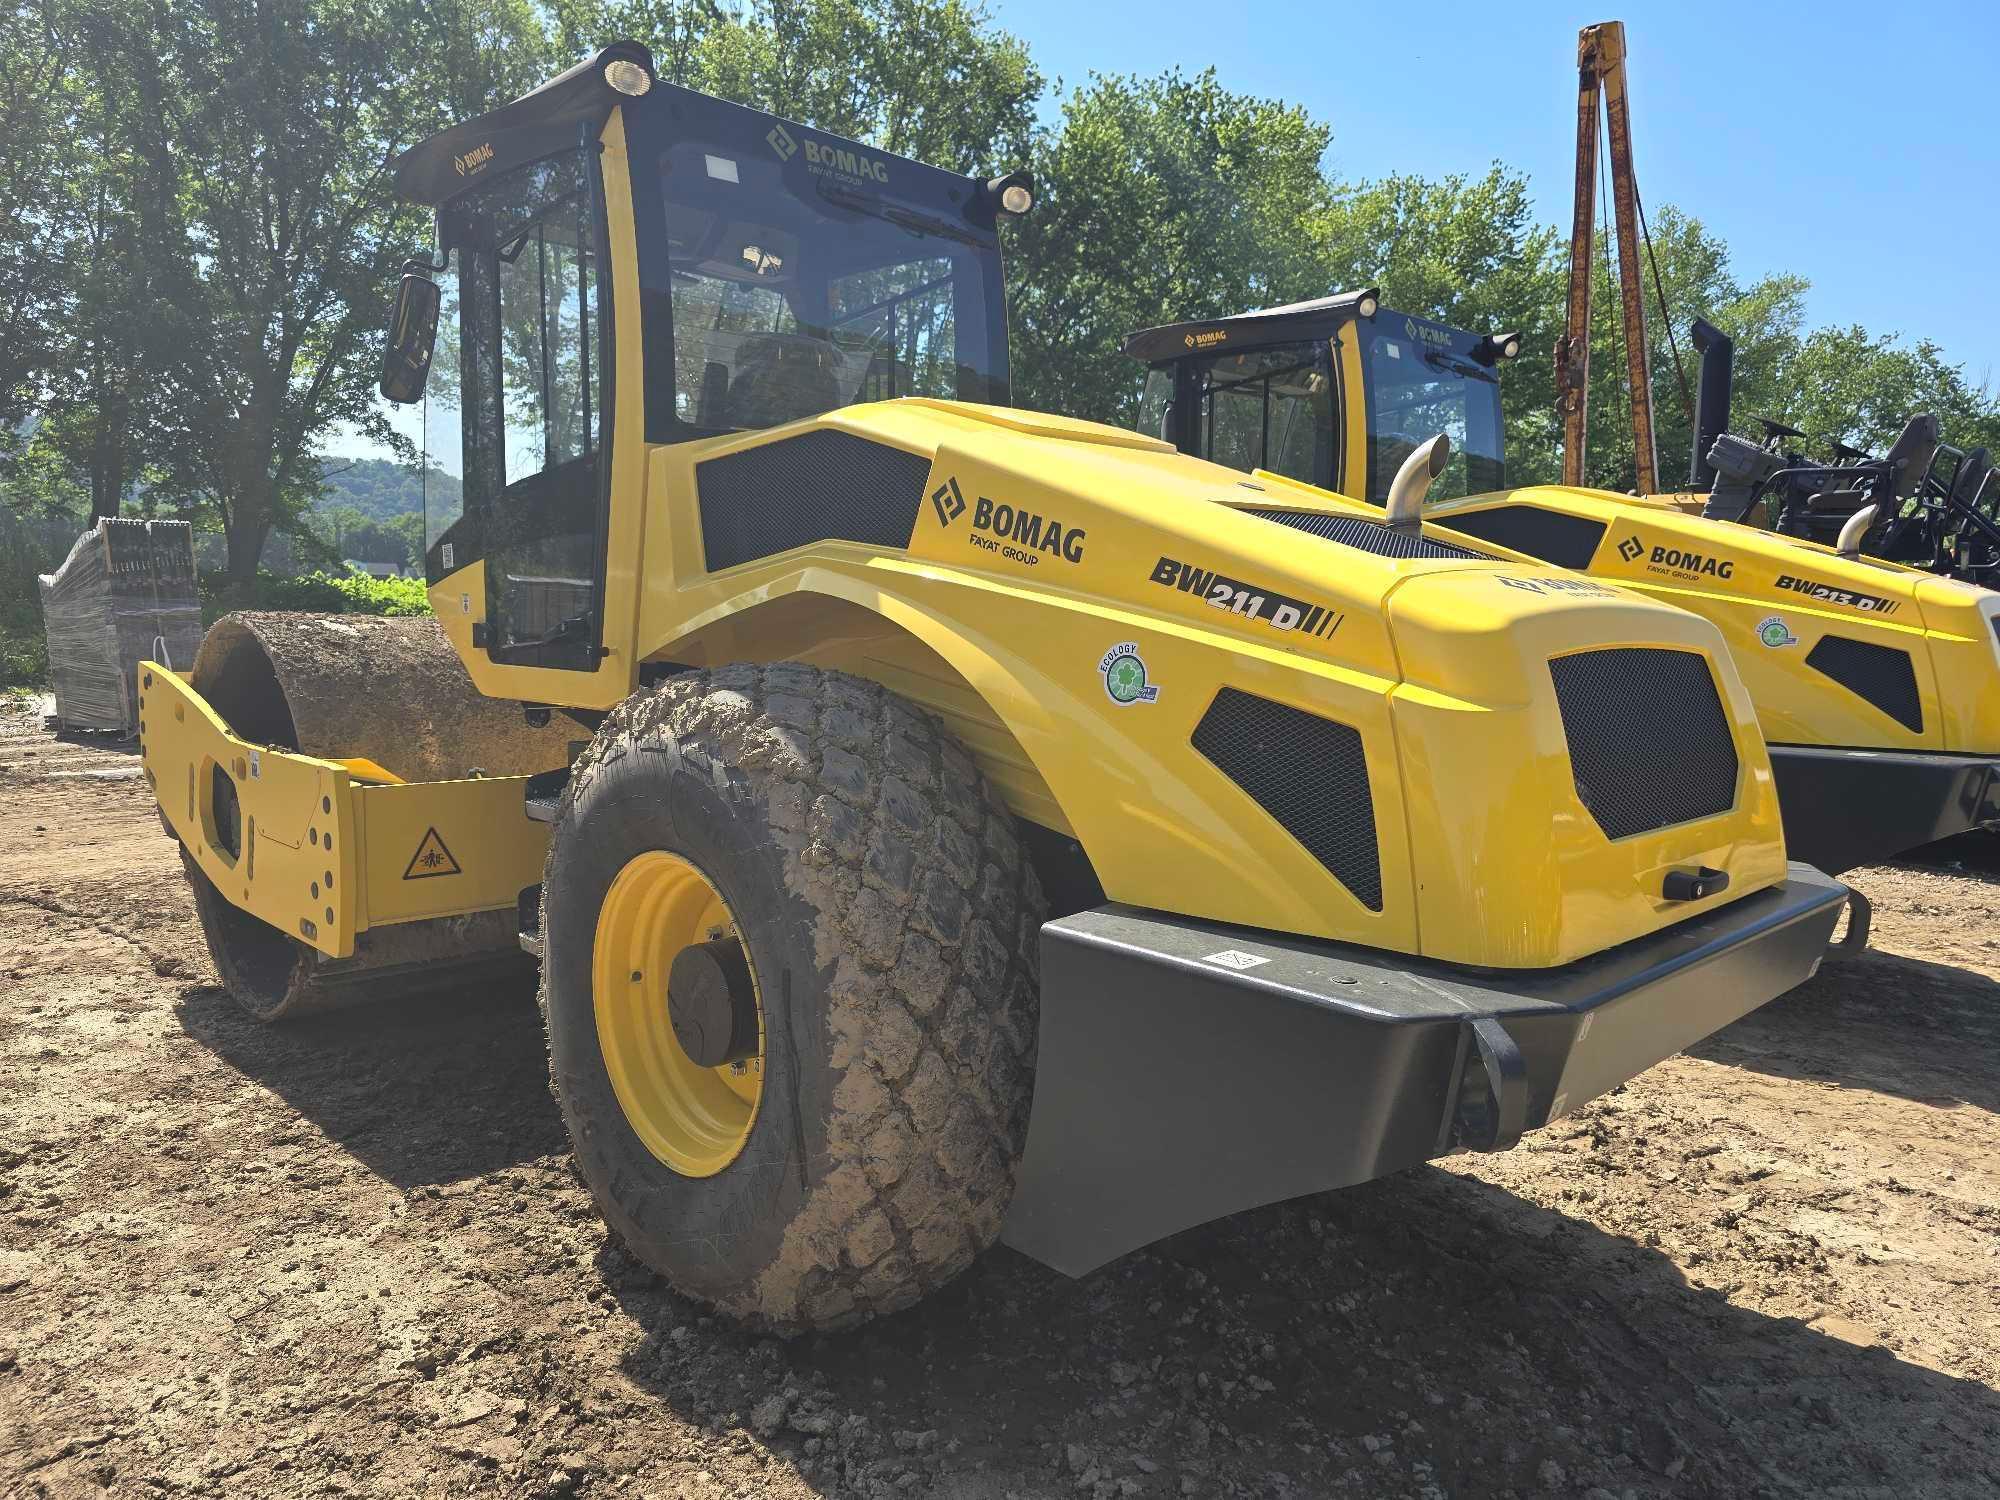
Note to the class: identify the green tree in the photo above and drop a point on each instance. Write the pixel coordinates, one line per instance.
(39, 89)
(1847, 385)
(931, 79)
(273, 122)
(1465, 252)
(1159, 199)
(1693, 267)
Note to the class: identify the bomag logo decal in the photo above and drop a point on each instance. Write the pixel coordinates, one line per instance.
(949, 502)
(1558, 586)
(1423, 333)
(1205, 340)
(473, 160)
(1017, 534)
(1279, 611)
(1677, 562)
(1826, 593)
(842, 162)
(826, 159)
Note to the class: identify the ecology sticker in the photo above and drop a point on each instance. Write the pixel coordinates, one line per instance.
(1774, 632)
(1124, 675)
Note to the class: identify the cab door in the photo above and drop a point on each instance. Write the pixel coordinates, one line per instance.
(1269, 408)
(534, 339)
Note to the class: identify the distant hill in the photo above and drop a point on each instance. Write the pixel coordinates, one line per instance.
(377, 487)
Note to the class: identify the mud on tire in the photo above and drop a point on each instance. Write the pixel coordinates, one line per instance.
(892, 921)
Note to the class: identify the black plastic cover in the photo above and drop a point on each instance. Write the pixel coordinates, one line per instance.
(1552, 535)
(1880, 675)
(1188, 1070)
(1366, 534)
(819, 486)
(1309, 773)
(1649, 743)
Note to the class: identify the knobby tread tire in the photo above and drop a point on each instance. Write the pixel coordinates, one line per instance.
(892, 920)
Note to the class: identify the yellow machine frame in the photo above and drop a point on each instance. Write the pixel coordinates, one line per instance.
(327, 849)
(1354, 840)
(1007, 648)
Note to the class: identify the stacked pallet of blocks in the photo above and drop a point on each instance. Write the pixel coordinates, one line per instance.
(125, 594)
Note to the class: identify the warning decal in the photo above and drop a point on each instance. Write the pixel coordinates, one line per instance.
(431, 859)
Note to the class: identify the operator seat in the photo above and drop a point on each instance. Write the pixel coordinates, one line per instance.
(1895, 478)
(1910, 459)
(781, 377)
(1974, 470)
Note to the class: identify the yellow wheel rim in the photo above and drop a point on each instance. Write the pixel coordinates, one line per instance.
(695, 1119)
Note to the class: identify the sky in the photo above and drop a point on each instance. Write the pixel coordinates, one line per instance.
(1802, 134)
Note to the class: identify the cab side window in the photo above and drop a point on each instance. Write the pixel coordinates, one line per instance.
(1268, 409)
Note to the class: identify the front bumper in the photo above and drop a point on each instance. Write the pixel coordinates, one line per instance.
(1190, 1070)
(1848, 808)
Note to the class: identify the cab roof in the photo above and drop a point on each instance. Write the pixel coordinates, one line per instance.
(541, 121)
(1320, 318)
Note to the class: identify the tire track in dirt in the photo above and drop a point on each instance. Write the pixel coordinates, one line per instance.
(351, 1257)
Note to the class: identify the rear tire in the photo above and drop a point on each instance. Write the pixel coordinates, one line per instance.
(890, 921)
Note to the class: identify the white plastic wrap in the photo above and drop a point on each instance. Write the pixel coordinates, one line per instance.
(126, 593)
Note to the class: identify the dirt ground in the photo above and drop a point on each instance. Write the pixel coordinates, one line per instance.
(349, 1257)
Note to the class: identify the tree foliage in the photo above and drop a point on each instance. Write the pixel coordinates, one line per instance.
(1160, 199)
(197, 237)
(930, 79)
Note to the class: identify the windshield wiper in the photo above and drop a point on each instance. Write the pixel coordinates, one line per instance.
(905, 218)
(1452, 364)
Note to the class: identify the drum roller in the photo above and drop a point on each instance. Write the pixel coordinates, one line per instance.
(394, 692)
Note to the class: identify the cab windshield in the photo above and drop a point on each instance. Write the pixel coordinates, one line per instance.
(794, 293)
(1419, 384)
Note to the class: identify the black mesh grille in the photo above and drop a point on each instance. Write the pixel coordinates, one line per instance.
(1565, 540)
(1649, 743)
(1307, 772)
(1369, 536)
(819, 486)
(1880, 674)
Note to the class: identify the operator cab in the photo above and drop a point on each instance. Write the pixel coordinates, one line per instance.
(775, 272)
(1336, 392)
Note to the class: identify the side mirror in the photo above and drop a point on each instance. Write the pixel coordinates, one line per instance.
(406, 360)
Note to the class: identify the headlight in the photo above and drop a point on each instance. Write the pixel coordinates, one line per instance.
(627, 77)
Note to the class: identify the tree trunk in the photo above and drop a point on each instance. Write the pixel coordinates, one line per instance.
(107, 459)
(245, 535)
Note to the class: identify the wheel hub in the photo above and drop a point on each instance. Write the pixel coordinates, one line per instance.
(712, 1004)
(679, 1022)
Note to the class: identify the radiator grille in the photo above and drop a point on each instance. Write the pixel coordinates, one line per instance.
(1649, 742)
(1552, 535)
(819, 486)
(1882, 675)
(1308, 773)
(1367, 535)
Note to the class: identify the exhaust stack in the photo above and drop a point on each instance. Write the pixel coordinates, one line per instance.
(1403, 510)
(1711, 402)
